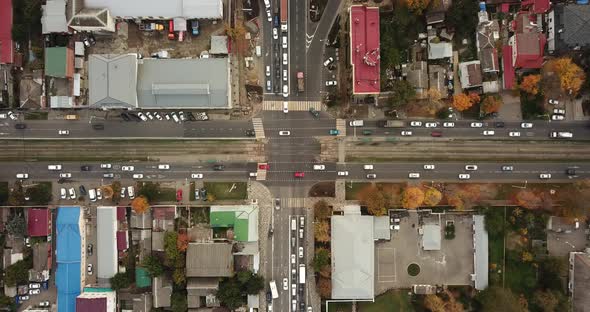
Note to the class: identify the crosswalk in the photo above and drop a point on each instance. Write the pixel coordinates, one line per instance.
(341, 127)
(292, 202)
(258, 128)
(293, 105)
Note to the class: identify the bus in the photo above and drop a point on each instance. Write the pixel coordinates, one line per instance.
(273, 290)
(302, 274)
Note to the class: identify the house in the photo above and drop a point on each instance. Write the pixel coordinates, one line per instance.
(141, 221)
(143, 239)
(53, 19)
(488, 33)
(41, 256)
(470, 74)
(241, 219)
(579, 280)
(436, 77)
(164, 217)
(364, 49)
(59, 62)
(38, 222)
(106, 225)
(219, 45)
(417, 75)
(6, 43)
(142, 303)
(97, 300)
(209, 260)
(70, 263)
(122, 243)
(527, 43)
(535, 6)
(31, 90)
(161, 291)
(202, 288)
(112, 80)
(158, 240)
(569, 27)
(142, 277)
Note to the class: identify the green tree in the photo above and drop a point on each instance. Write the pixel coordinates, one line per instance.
(7, 302)
(149, 190)
(229, 293)
(170, 249)
(546, 301)
(403, 91)
(178, 301)
(322, 210)
(494, 223)
(320, 259)
(121, 280)
(179, 276)
(254, 284)
(3, 193)
(40, 193)
(153, 265)
(495, 299)
(18, 272)
(460, 15)
(17, 195)
(17, 225)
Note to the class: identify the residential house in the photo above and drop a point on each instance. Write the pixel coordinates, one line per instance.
(53, 19)
(161, 291)
(579, 280)
(437, 75)
(164, 218)
(416, 74)
(158, 240)
(31, 90)
(569, 27)
(364, 49)
(437, 47)
(201, 292)
(241, 222)
(38, 222)
(528, 43)
(470, 74)
(97, 300)
(219, 45)
(59, 62)
(209, 260)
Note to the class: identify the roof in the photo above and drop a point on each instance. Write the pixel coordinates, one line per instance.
(218, 45)
(435, 17)
(418, 76)
(431, 238)
(438, 50)
(508, 74)
(92, 20)
(480, 257)
(242, 218)
(54, 17)
(96, 300)
(60, 101)
(59, 62)
(142, 277)
(141, 221)
(529, 50)
(162, 291)
(537, 6)
(580, 280)
(38, 222)
(121, 213)
(572, 24)
(106, 227)
(91, 304)
(206, 9)
(122, 240)
(353, 253)
(489, 60)
(112, 80)
(209, 260)
(200, 287)
(470, 74)
(158, 240)
(364, 49)
(381, 228)
(6, 44)
(436, 78)
(67, 276)
(184, 83)
(164, 213)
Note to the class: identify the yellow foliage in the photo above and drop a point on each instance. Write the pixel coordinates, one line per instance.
(417, 5)
(571, 76)
(412, 197)
(530, 84)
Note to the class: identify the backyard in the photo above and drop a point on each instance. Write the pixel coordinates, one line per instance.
(394, 301)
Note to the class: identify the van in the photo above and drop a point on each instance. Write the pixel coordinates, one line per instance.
(285, 42)
(130, 192)
(54, 167)
(92, 194)
(258, 51)
(356, 123)
(293, 224)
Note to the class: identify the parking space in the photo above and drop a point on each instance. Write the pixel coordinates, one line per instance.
(564, 236)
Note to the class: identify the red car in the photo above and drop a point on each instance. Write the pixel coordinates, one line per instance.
(436, 134)
(263, 166)
(179, 195)
(299, 174)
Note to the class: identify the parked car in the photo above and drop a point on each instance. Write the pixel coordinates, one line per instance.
(328, 61)
(34, 291)
(179, 195)
(556, 117)
(89, 249)
(89, 269)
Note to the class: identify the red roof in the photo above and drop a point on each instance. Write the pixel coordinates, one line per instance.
(121, 212)
(91, 304)
(364, 49)
(122, 240)
(508, 68)
(529, 50)
(538, 6)
(6, 44)
(163, 213)
(38, 222)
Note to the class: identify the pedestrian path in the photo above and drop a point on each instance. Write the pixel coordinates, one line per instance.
(292, 202)
(341, 127)
(293, 105)
(258, 128)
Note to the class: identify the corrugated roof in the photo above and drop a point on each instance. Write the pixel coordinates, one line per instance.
(106, 226)
(242, 218)
(54, 17)
(91, 304)
(162, 291)
(207, 9)
(112, 80)
(508, 74)
(209, 260)
(56, 62)
(381, 228)
(38, 223)
(218, 45)
(121, 213)
(67, 277)
(142, 278)
(573, 23)
(480, 257)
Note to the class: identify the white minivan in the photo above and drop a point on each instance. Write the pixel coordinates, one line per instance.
(284, 42)
(130, 192)
(92, 194)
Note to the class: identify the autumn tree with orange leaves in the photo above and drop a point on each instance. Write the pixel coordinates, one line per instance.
(432, 197)
(491, 104)
(412, 197)
(527, 199)
(182, 242)
(530, 84)
(463, 101)
(571, 76)
(140, 205)
(325, 287)
(417, 6)
(375, 199)
(322, 231)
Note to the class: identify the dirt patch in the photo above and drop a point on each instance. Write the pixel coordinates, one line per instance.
(424, 108)
(323, 189)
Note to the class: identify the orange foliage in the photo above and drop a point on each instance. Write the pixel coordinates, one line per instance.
(140, 204)
(530, 84)
(491, 104)
(182, 242)
(325, 287)
(527, 199)
(375, 199)
(432, 197)
(571, 76)
(417, 5)
(463, 101)
(412, 197)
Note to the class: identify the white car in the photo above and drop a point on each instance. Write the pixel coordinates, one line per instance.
(63, 193)
(449, 124)
(428, 167)
(54, 167)
(34, 291)
(131, 192)
(526, 125)
(158, 116)
(196, 175)
(368, 167)
(553, 102)
(471, 167)
(13, 116)
(142, 116)
(319, 167)
(65, 175)
(284, 43)
(63, 132)
(545, 176)
(275, 33)
(44, 304)
(285, 91)
(406, 133)
(89, 269)
(164, 167)
(514, 134)
(342, 173)
(122, 192)
(557, 117)
(285, 59)
(269, 16)
(284, 133)
(331, 83)
(106, 166)
(300, 252)
(431, 125)
(149, 115)
(72, 193)
(414, 175)
(22, 175)
(328, 61)
(507, 168)
(559, 111)
(138, 176)
(489, 132)
(267, 71)
(127, 168)
(285, 107)
(476, 125)
(464, 176)
(285, 283)
(416, 123)
(285, 75)
(371, 176)
(293, 259)
(98, 193)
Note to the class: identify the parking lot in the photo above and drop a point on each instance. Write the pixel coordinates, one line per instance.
(451, 265)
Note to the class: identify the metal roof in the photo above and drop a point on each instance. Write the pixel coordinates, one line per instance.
(67, 276)
(480, 257)
(106, 226)
(431, 237)
(572, 26)
(381, 228)
(54, 17)
(112, 80)
(207, 9)
(218, 45)
(209, 260)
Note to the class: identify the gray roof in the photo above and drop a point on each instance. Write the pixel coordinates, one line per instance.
(208, 9)
(92, 18)
(209, 260)
(381, 228)
(218, 45)
(439, 50)
(54, 17)
(112, 80)
(431, 238)
(353, 257)
(141, 221)
(162, 291)
(106, 248)
(183, 83)
(158, 241)
(574, 22)
(580, 281)
(480, 257)
(200, 287)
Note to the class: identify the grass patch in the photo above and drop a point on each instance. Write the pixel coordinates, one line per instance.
(36, 115)
(352, 188)
(221, 190)
(532, 106)
(166, 194)
(3, 193)
(340, 306)
(191, 196)
(520, 277)
(394, 301)
(199, 215)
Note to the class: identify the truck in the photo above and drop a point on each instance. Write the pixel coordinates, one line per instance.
(151, 27)
(273, 289)
(284, 14)
(561, 135)
(300, 82)
(302, 274)
(392, 123)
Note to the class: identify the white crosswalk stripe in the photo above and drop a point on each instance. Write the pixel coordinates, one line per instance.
(258, 128)
(293, 105)
(341, 126)
(292, 202)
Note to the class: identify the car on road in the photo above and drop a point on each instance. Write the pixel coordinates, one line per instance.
(416, 123)
(106, 166)
(285, 75)
(127, 168)
(85, 168)
(513, 134)
(428, 167)
(63, 193)
(471, 167)
(267, 71)
(371, 176)
(556, 117)
(476, 125)
(34, 291)
(526, 125)
(342, 173)
(284, 133)
(309, 309)
(414, 175)
(545, 176)
(179, 195)
(285, 59)
(300, 252)
(277, 203)
(53, 167)
(34, 285)
(218, 167)
(356, 123)
(65, 175)
(464, 176)
(196, 175)
(285, 283)
(44, 304)
(63, 132)
(559, 111)
(319, 167)
(285, 91)
(138, 175)
(489, 132)
(20, 126)
(368, 167)
(284, 42)
(72, 193)
(406, 133)
(499, 124)
(131, 192)
(108, 175)
(275, 33)
(330, 83)
(334, 132)
(163, 167)
(431, 125)
(293, 258)
(314, 112)
(263, 166)
(285, 107)
(328, 61)
(449, 124)
(299, 174)
(301, 233)
(89, 269)
(507, 168)
(250, 133)
(553, 102)
(22, 175)
(436, 134)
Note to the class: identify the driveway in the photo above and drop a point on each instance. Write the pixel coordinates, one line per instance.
(510, 111)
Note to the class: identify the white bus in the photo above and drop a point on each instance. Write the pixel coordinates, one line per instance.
(302, 274)
(273, 290)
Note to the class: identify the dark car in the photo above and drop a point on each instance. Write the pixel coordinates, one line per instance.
(218, 167)
(570, 171)
(134, 117)
(195, 27)
(499, 124)
(250, 132)
(20, 126)
(268, 297)
(89, 249)
(125, 116)
(204, 194)
(98, 126)
(190, 116)
(85, 168)
(82, 190)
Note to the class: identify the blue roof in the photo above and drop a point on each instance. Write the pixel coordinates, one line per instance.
(67, 277)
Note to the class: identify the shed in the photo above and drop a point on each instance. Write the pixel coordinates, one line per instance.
(431, 237)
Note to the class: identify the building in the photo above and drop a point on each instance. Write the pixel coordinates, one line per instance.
(38, 222)
(31, 90)
(70, 263)
(96, 300)
(6, 44)
(353, 257)
(202, 290)
(470, 74)
(159, 10)
(569, 27)
(112, 80)
(528, 43)
(106, 227)
(59, 62)
(488, 33)
(219, 45)
(209, 260)
(364, 49)
(480, 256)
(161, 291)
(241, 219)
(417, 75)
(579, 280)
(431, 237)
(54, 17)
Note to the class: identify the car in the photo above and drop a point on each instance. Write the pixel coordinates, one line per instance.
(23, 298)
(197, 194)
(196, 175)
(125, 116)
(149, 115)
(334, 132)
(301, 233)
(545, 176)
(191, 117)
(464, 176)
(277, 203)
(526, 125)
(106, 166)
(284, 42)
(285, 75)
(471, 167)
(285, 59)
(44, 304)
(268, 85)
(431, 125)
(92, 195)
(293, 259)
(428, 167)
(284, 133)
(507, 168)
(371, 176)
(98, 126)
(179, 195)
(53, 167)
(309, 309)
(250, 132)
(142, 116)
(72, 193)
(342, 173)
(406, 133)
(22, 175)
(556, 117)
(314, 112)
(3, 116)
(138, 175)
(553, 102)
(63, 193)
(122, 195)
(108, 175)
(89, 249)
(414, 175)
(34, 291)
(448, 124)
(218, 167)
(299, 174)
(275, 33)
(559, 111)
(285, 91)
(436, 134)
(356, 123)
(181, 116)
(65, 175)
(269, 16)
(267, 71)
(300, 252)
(285, 107)
(63, 132)
(328, 61)
(368, 167)
(499, 124)
(476, 125)
(416, 123)
(163, 167)
(85, 168)
(513, 134)
(331, 83)
(127, 168)
(13, 116)
(268, 296)
(20, 126)
(131, 192)
(98, 193)
(489, 132)
(571, 171)
(89, 269)
(319, 167)
(82, 189)
(158, 116)
(174, 117)
(285, 283)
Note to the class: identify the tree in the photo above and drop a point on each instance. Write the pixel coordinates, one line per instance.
(121, 280)
(460, 16)
(17, 195)
(254, 284)
(496, 298)
(527, 199)
(4, 193)
(107, 192)
(322, 231)
(375, 200)
(402, 92)
(412, 197)
(325, 287)
(140, 205)
(153, 265)
(432, 197)
(545, 300)
(116, 187)
(179, 275)
(530, 84)
(320, 259)
(18, 272)
(149, 190)
(40, 193)
(322, 210)
(229, 293)
(170, 248)
(182, 242)
(434, 303)
(491, 104)
(571, 76)
(417, 6)
(462, 102)
(17, 225)
(178, 301)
